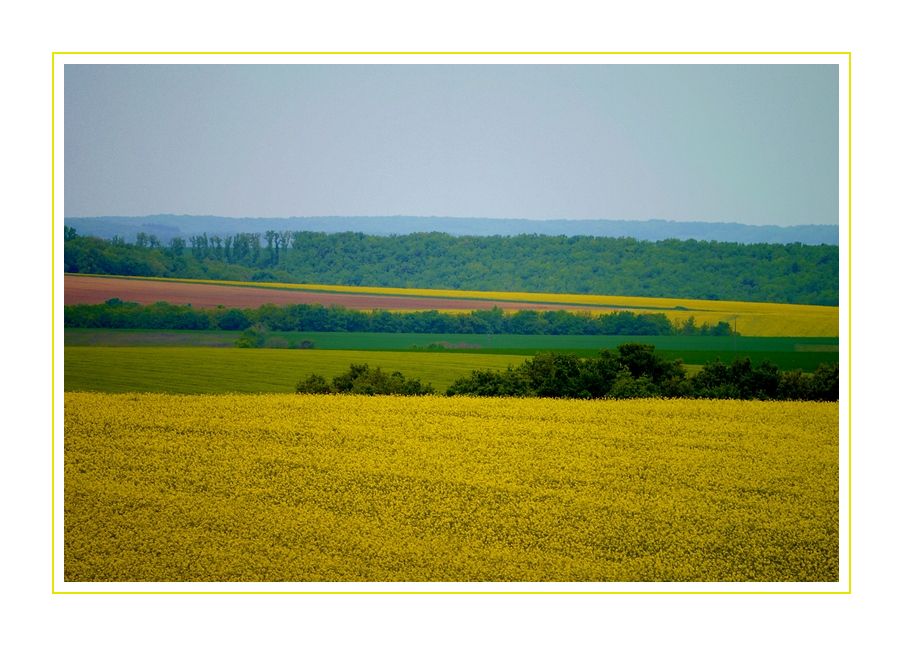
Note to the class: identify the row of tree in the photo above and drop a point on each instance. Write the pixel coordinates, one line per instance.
(784, 273)
(634, 371)
(116, 313)
(637, 371)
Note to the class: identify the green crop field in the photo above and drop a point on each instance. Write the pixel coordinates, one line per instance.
(221, 370)
(788, 353)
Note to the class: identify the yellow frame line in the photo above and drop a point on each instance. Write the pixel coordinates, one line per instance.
(850, 320)
(52, 324)
(486, 53)
(459, 592)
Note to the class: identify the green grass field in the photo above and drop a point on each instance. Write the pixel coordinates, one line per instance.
(788, 353)
(221, 370)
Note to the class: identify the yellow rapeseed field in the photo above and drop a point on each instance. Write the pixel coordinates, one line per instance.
(353, 488)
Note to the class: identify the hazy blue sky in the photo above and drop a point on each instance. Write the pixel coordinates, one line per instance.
(741, 143)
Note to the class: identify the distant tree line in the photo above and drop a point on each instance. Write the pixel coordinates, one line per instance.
(780, 273)
(634, 371)
(116, 313)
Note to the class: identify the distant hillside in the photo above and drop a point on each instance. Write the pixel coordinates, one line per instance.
(166, 227)
(788, 273)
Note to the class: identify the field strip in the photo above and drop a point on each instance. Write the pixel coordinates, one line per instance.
(223, 370)
(356, 488)
(787, 353)
(80, 289)
(502, 298)
(590, 300)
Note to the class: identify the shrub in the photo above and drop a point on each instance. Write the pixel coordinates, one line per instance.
(232, 319)
(826, 382)
(629, 387)
(253, 337)
(363, 380)
(492, 383)
(314, 385)
(795, 385)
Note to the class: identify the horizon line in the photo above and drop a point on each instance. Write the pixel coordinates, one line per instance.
(447, 217)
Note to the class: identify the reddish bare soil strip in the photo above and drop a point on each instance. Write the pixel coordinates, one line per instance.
(92, 290)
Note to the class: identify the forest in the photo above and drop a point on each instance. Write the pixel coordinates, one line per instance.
(778, 273)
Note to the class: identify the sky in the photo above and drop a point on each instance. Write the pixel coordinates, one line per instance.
(755, 144)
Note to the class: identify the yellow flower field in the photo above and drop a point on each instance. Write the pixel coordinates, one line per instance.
(351, 488)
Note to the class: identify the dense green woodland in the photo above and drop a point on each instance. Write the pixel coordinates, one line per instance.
(636, 370)
(117, 314)
(780, 273)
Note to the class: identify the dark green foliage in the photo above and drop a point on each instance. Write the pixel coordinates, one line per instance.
(637, 371)
(739, 380)
(634, 324)
(689, 328)
(629, 387)
(93, 256)
(779, 273)
(232, 319)
(550, 374)
(253, 337)
(115, 313)
(361, 379)
(317, 318)
(598, 374)
(822, 385)
(641, 360)
(795, 385)
(714, 381)
(826, 383)
(314, 385)
(492, 383)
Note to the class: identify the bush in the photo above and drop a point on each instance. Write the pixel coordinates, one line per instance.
(636, 371)
(739, 380)
(363, 380)
(232, 319)
(551, 374)
(826, 382)
(492, 383)
(253, 337)
(628, 387)
(314, 385)
(795, 385)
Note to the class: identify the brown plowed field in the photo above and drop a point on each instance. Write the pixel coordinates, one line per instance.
(92, 290)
